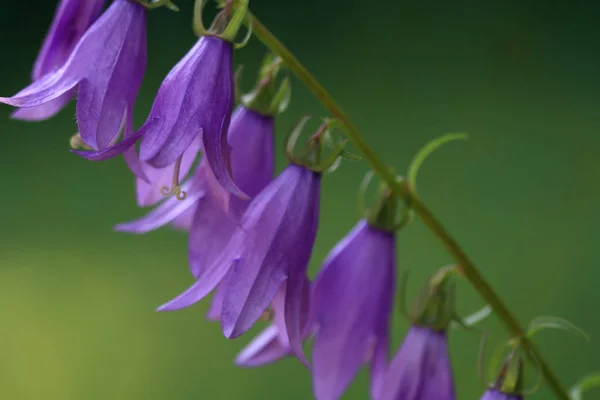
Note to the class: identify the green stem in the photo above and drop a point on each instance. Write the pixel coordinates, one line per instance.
(466, 265)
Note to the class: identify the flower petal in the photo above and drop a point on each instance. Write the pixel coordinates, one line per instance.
(210, 233)
(274, 242)
(44, 111)
(72, 19)
(264, 349)
(353, 299)
(421, 369)
(166, 212)
(50, 87)
(209, 280)
(214, 312)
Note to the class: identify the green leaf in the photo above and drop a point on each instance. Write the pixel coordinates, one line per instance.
(589, 382)
(426, 151)
(539, 323)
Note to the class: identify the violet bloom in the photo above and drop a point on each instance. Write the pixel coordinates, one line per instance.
(421, 370)
(205, 211)
(71, 21)
(196, 98)
(106, 67)
(493, 394)
(270, 248)
(353, 299)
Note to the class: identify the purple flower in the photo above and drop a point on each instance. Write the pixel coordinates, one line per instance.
(270, 248)
(106, 67)
(353, 299)
(421, 370)
(493, 394)
(72, 19)
(196, 98)
(205, 210)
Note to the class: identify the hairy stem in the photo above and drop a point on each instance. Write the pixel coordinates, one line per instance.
(467, 267)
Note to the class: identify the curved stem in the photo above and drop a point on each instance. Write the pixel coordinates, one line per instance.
(467, 267)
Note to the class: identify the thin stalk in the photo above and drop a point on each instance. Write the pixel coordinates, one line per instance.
(467, 267)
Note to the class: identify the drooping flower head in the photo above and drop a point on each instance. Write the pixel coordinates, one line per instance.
(208, 211)
(269, 249)
(421, 370)
(106, 68)
(71, 21)
(205, 210)
(353, 299)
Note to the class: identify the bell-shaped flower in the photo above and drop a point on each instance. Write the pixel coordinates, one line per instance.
(209, 212)
(271, 247)
(106, 67)
(196, 98)
(353, 299)
(71, 21)
(421, 370)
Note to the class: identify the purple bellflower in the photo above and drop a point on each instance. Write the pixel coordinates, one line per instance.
(270, 249)
(196, 98)
(106, 68)
(71, 21)
(421, 370)
(209, 212)
(353, 300)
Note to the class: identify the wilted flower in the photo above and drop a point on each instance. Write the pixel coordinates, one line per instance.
(71, 21)
(106, 67)
(353, 299)
(421, 370)
(270, 248)
(493, 394)
(207, 210)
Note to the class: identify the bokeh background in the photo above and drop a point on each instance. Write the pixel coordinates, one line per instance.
(77, 299)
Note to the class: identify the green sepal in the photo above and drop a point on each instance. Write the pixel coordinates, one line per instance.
(311, 156)
(158, 3)
(550, 322)
(199, 28)
(468, 322)
(236, 22)
(512, 377)
(268, 96)
(425, 152)
(384, 213)
(434, 306)
(586, 383)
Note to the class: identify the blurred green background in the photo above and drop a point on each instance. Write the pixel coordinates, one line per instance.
(77, 299)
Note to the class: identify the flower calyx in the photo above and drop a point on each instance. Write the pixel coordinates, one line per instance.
(269, 97)
(434, 306)
(227, 23)
(313, 154)
(151, 4)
